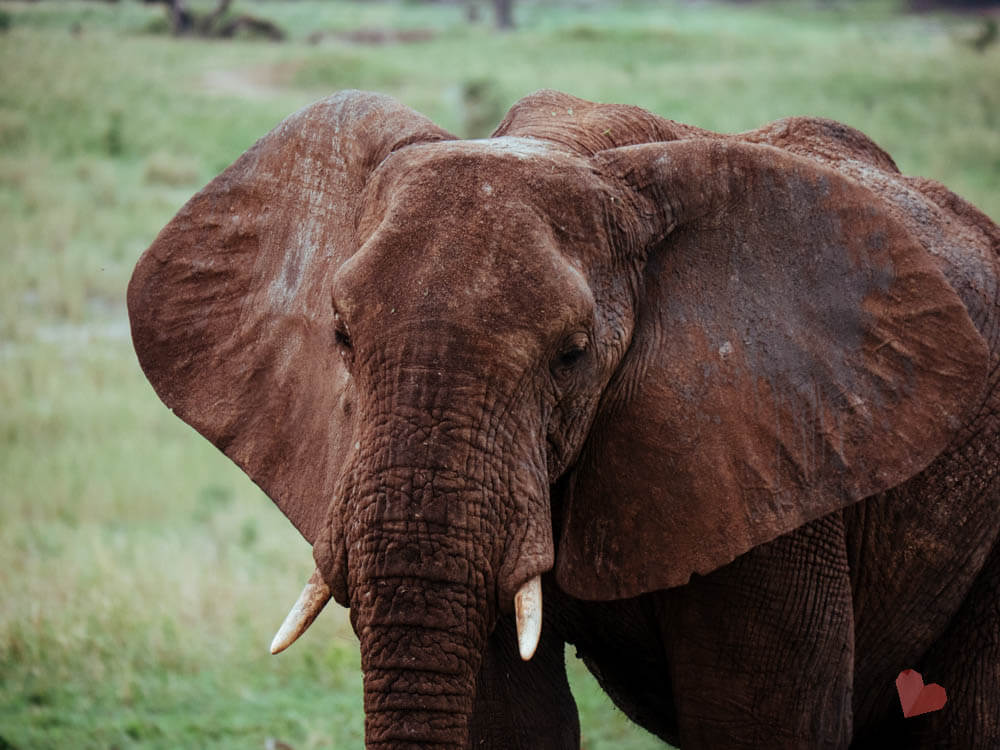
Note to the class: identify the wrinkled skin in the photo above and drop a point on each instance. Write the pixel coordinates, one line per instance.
(734, 398)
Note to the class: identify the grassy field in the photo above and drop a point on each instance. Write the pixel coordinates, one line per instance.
(142, 575)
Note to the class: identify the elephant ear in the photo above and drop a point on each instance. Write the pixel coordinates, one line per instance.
(230, 307)
(796, 349)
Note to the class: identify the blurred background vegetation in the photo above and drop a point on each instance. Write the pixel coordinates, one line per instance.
(141, 574)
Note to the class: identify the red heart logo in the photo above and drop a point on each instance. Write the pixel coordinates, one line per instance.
(917, 698)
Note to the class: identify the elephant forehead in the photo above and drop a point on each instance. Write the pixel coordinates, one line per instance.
(456, 237)
(514, 146)
(490, 192)
(507, 268)
(519, 166)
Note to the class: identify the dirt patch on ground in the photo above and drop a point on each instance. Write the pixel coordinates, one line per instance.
(373, 36)
(262, 82)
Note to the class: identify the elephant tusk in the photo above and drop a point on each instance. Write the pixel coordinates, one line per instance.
(528, 611)
(309, 604)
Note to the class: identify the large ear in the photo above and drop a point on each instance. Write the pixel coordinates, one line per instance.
(796, 349)
(230, 306)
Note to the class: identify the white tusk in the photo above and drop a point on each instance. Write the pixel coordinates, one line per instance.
(309, 604)
(528, 610)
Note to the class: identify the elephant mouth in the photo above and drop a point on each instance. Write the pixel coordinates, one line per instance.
(316, 594)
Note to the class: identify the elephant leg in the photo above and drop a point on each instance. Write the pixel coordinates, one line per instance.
(966, 662)
(761, 651)
(621, 644)
(523, 705)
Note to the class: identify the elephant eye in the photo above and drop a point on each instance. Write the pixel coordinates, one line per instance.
(571, 355)
(341, 336)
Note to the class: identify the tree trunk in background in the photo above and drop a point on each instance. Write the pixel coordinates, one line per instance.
(215, 24)
(212, 18)
(504, 13)
(181, 20)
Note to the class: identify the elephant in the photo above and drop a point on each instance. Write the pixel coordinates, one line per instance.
(727, 403)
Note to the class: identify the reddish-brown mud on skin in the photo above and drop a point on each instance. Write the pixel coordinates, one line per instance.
(426, 537)
(443, 508)
(370, 319)
(419, 669)
(230, 306)
(827, 321)
(445, 315)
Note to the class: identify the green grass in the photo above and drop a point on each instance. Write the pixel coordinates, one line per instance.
(141, 574)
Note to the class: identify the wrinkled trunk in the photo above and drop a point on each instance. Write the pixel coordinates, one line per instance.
(420, 676)
(422, 610)
(423, 555)
(446, 513)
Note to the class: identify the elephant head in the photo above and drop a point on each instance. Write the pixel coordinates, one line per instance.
(598, 341)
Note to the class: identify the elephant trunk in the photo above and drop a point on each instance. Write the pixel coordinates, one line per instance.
(420, 678)
(427, 556)
(422, 610)
(442, 523)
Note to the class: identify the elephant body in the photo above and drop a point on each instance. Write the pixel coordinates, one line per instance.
(826, 614)
(706, 650)
(727, 404)
(910, 576)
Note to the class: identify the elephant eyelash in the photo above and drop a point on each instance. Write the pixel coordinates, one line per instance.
(341, 337)
(570, 356)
